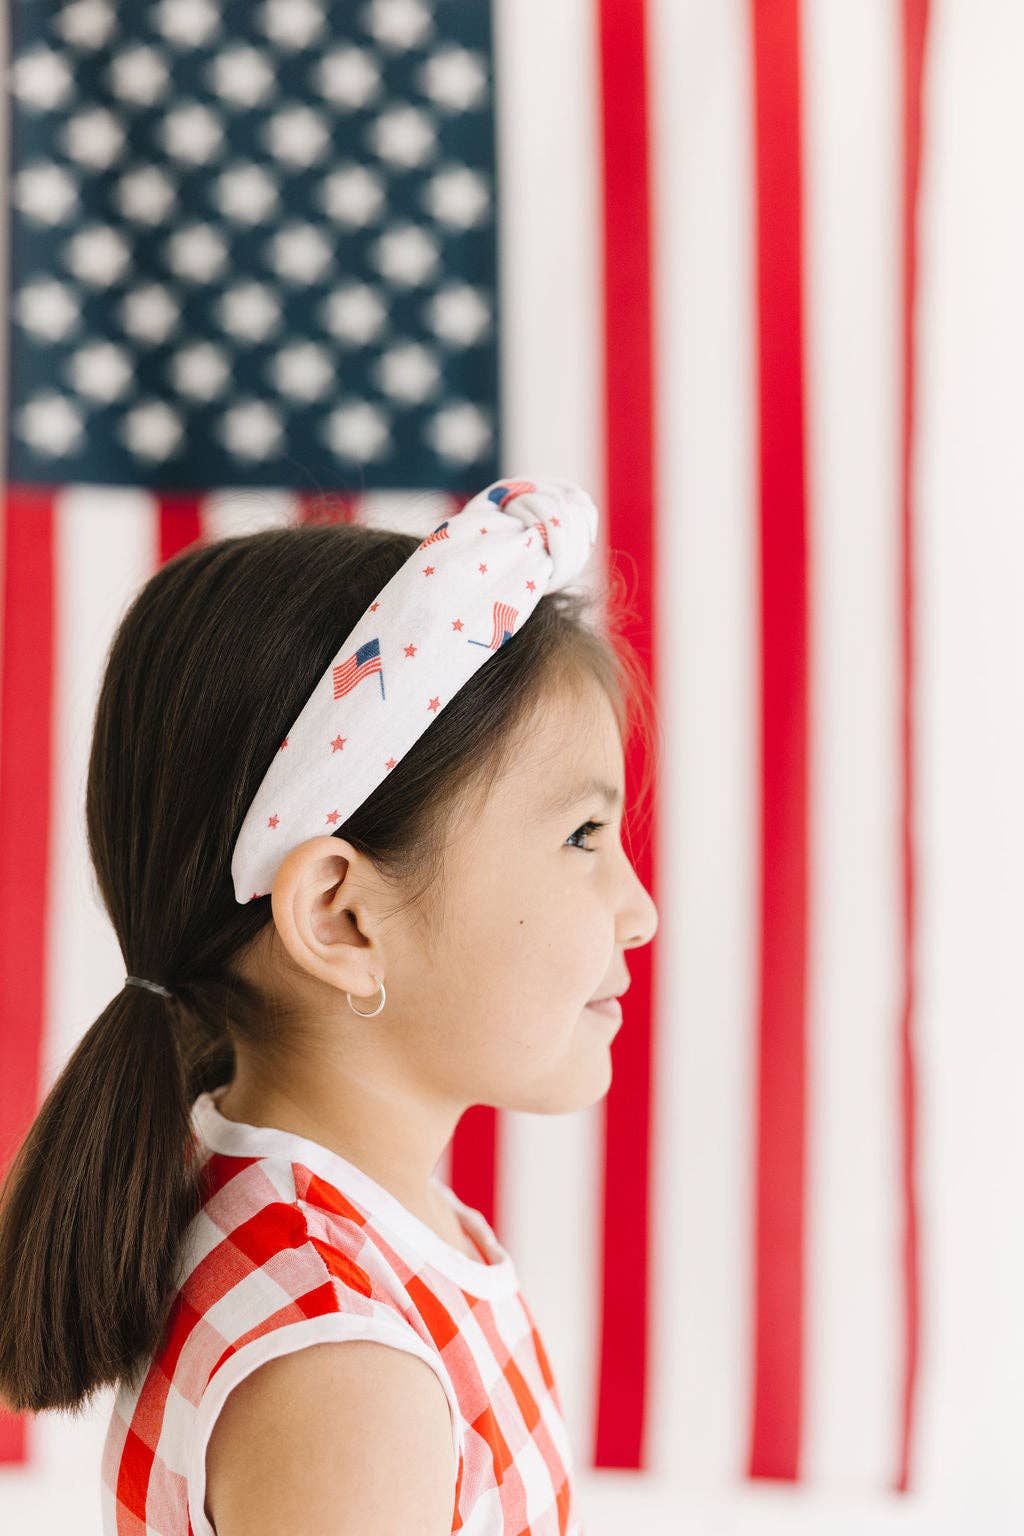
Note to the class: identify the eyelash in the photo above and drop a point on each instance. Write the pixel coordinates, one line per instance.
(588, 826)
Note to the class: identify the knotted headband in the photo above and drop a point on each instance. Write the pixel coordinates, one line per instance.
(462, 593)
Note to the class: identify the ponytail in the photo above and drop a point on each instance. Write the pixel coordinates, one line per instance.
(93, 1208)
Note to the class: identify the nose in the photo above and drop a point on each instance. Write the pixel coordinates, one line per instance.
(639, 916)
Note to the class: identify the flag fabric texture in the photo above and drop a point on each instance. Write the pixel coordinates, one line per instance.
(283, 262)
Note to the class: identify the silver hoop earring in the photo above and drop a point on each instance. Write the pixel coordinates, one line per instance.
(380, 1005)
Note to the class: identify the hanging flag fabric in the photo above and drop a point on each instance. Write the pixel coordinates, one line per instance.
(285, 262)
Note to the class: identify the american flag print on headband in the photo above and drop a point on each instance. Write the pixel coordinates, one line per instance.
(504, 626)
(504, 491)
(440, 532)
(354, 668)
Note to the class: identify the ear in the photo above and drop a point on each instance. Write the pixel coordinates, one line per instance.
(325, 916)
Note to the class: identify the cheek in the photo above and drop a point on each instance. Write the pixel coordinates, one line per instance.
(531, 941)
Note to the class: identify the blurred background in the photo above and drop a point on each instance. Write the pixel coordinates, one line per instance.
(750, 272)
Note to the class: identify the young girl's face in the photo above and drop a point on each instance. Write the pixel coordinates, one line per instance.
(540, 913)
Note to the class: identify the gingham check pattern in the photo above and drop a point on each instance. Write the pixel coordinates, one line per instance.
(293, 1245)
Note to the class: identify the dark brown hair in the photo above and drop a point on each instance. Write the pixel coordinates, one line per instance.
(208, 668)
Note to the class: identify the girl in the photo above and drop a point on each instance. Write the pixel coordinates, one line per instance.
(326, 757)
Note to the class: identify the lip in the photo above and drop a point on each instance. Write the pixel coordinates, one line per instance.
(608, 1007)
(613, 995)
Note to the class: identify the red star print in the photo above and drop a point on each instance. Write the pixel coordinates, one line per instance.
(332, 817)
(434, 704)
(485, 530)
(391, 762)
(531, 586)
(557, 522)
(482, 566)
(428, 570)
(273, 820)
(284, 743)
(254, 896)
(374, 606)
(410, 650)
(456, 623)
(338, 743)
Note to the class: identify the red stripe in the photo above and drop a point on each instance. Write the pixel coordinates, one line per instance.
(780, 1133)
(327, 507)
(474, 1162)
(628, 431)
(179, 524)
(915, 27)
(25, 815)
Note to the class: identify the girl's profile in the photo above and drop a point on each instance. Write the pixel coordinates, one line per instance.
(236, 1169)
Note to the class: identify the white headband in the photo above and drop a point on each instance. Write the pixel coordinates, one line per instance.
(427, 631)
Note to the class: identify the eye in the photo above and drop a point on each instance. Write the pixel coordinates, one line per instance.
(588, 826)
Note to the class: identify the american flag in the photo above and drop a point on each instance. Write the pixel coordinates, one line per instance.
(504, 624)
(286, 260)
(347, 673)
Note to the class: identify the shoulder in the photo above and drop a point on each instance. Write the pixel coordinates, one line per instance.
(333, 1440)
(261, 1255)
(267, 1374)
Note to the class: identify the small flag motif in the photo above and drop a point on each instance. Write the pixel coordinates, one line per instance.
(346, 674)
(504, 625)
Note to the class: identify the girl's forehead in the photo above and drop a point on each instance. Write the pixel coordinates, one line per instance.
(587, 766)
(571, 723)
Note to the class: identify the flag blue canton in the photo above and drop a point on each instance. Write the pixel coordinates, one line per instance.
(253, 244)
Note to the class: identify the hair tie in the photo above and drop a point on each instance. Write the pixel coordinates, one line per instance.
(464, 591)
(154, 986)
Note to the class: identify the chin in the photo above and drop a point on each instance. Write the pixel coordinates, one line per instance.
(565, 1095)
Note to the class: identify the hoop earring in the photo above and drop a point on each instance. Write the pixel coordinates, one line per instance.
(380, 1005)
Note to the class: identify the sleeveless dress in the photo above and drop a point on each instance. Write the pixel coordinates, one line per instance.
(294, 1245)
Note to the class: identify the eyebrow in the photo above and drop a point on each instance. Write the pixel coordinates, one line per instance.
(584, 790)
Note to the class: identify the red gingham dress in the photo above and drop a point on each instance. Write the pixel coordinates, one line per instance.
(295, 1245)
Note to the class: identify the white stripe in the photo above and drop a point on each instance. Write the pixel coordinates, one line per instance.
(234, 510)
(105, 548)
(853, 1341)
(414, 512)
(551, 388)
(971, 639)
(705, 952)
